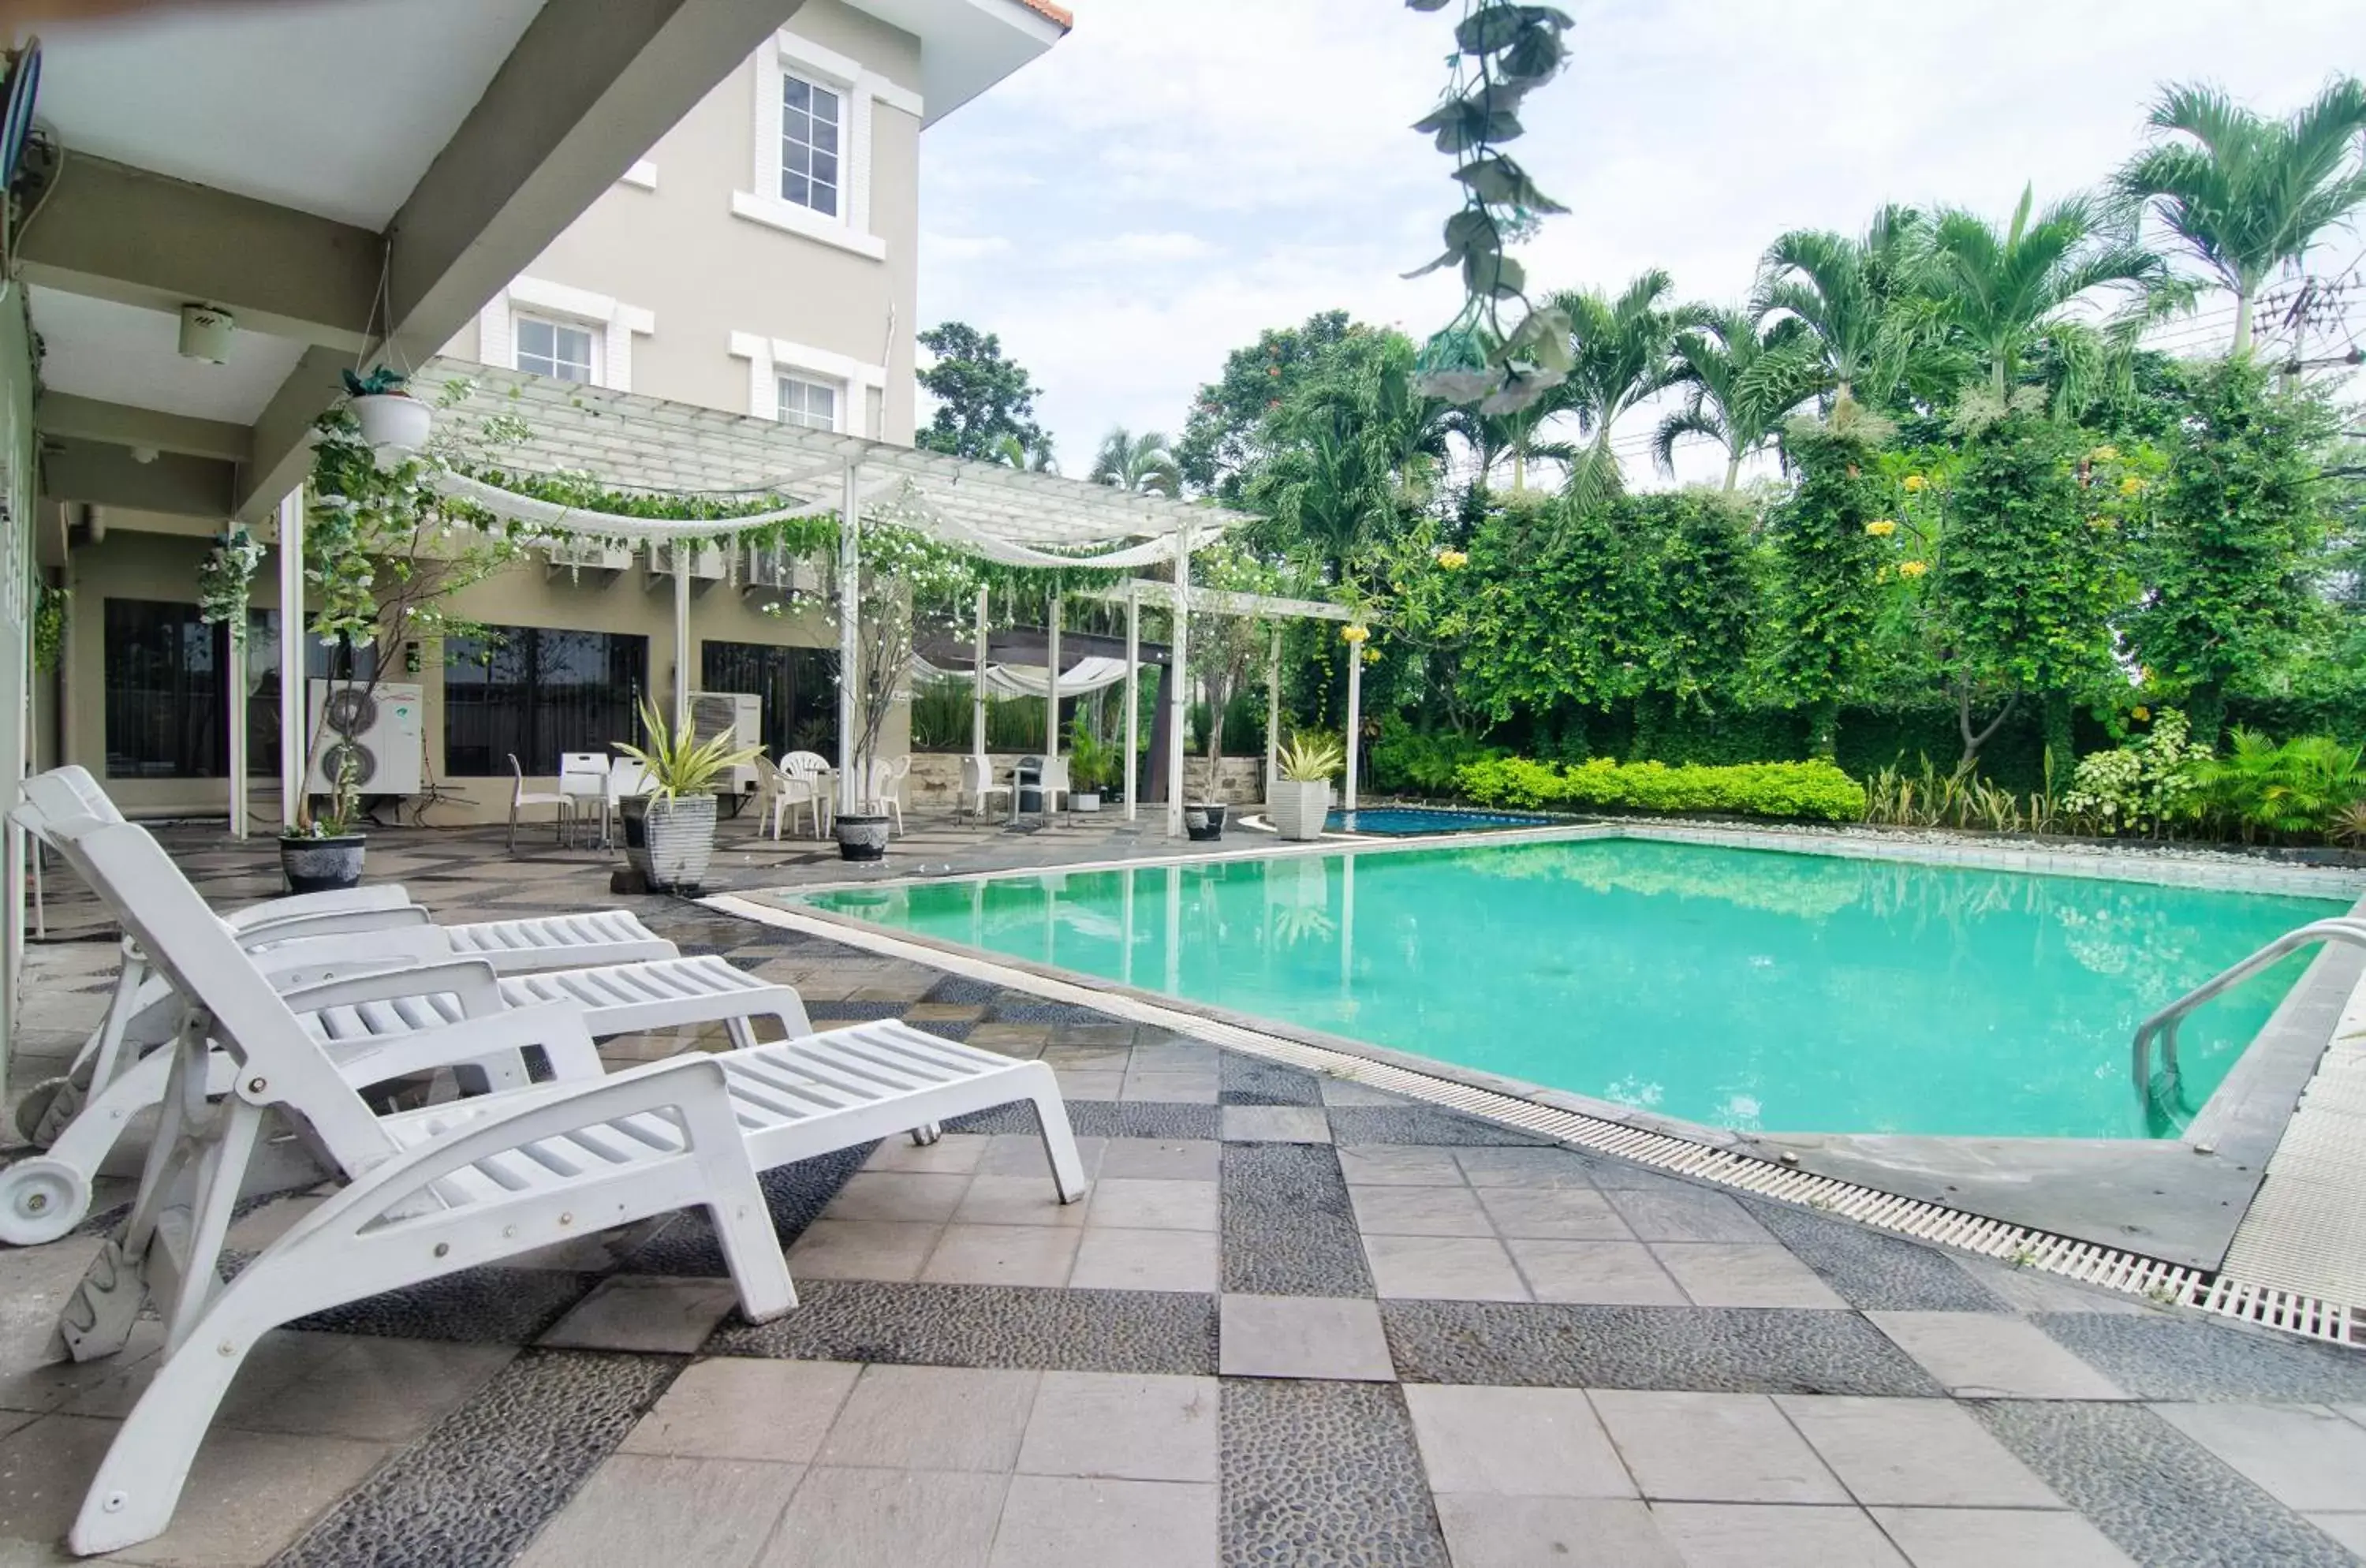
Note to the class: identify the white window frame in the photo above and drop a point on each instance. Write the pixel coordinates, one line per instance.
(595, 340)
(797, 376)
(612, 323)
(770, 359)
(860, 92)
(840, 186)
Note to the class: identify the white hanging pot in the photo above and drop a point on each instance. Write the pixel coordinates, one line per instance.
(393, 421)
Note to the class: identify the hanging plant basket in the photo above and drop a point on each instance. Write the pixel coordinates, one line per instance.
(393, 421)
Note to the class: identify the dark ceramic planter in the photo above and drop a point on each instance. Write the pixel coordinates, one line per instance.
(322, 865)
(1203, 821)
(862, 838)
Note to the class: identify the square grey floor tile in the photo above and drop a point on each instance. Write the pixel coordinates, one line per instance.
(1618, 1273)
(1114, 1259)
(736, 1407)
(1275, 1124)
(1524, 1167)
(1567, 1214)
(646, 1313)
(1686, 1214)
(1398, 1165)
(1744, 1274)
(889, 1518)
(2305, 1457)
(1160, 1159)
(898, 1195)
(1002, 1254)
(931, 1418)
(1728, 1535)
(1174, 1087)
(1996, 1538)
(1915, 1452)
(1017, 1201)
(1717, 1447)
(1022, 1153)
(1121, 1426)
(1050, 1521)
(1089, 1084)
(1531, 1442)
(1486, 1532)
(1437, 1268)
(1988, 1356)
(1137, 1203)
(863, 1249)
(955, 1154)
(1301, 1337)
(362, 1387)
(641, 1509)
(1418, 1211)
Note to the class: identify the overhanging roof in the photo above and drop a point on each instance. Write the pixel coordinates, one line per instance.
(633, 442)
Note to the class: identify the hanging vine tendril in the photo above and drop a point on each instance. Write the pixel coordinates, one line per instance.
(1502, 53)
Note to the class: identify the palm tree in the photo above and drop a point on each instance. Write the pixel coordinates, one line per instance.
(1354, 456)
(1142, 464)
(1030, 457)
(1624, 354)
(1742, 380)
(2007, 291)
(2247, 195)
(1855, 296)
(1519, 436)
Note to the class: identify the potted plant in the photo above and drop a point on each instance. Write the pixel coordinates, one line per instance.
(1091, 765)
(669, 831)
(1301, 795)
(322, 852)
(391, 420)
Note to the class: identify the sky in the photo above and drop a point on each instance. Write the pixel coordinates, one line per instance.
(1178, 174)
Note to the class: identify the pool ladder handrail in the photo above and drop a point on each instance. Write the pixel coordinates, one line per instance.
(2163, 1024)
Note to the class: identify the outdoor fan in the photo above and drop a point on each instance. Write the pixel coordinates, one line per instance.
(363, 762)
(349, 712)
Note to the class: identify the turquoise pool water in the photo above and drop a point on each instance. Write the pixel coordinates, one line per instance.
(1740, 988)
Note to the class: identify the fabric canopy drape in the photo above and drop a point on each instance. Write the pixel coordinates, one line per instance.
(1033, 680)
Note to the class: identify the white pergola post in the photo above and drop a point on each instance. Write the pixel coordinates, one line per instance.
(1355, 719)
(681, 633)
(1132, 711)
(1273, 714)
(234, 702)
(292, 694)
(1051, 681)
(849, 616)
(1178, 708)
(977, 688)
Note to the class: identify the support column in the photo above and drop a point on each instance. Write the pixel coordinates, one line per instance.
(1179, 702)
(1132, 702)
(850, 621)
(1273, 716)
(293, 697)
(1354, 720)
(978, 689)
(235, 704)
(680, 555)
(1052, 680)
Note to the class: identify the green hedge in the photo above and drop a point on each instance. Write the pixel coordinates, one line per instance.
(1814, 791)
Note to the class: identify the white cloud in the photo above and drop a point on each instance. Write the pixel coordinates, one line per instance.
(1180, 173)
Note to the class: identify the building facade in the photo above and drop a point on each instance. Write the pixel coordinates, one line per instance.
(762, 257)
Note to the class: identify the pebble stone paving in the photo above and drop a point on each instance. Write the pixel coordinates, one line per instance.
(1295, 1323)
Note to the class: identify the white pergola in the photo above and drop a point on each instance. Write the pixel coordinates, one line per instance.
(629, 442)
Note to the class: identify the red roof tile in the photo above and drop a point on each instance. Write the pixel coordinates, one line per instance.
(1057, 14)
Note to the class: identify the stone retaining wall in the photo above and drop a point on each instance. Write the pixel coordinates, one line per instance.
(936, 775)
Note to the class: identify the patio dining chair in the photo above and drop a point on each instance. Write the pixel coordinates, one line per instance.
(885, 785)
(814, 768)
(1053, 782)
(977, 783)
(583, 780)
(778, 794)
(523, 799)
(628, 777)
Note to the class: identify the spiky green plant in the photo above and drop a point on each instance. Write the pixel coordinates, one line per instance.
(1312, 756)
(678, 763)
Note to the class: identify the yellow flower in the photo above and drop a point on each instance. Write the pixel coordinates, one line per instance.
(1881, 527)
(2141, 713)
(2104, 455)
(2132, 486)
(1354, 634)
(1881, 573)
(1453, 560)
(1915, 484)
(1913, 568)
(1371, 656)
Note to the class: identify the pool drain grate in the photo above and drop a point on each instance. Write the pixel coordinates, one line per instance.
(2088, 1263)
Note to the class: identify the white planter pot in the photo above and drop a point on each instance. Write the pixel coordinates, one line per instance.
(393, 421)
(671, 842)
(1085, 800)
(1298, 807)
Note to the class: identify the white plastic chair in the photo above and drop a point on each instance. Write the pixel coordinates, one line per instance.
(780, 793)
(626, 778)
(522, 798)
(977, 783)
(583, 780)
(1054, 783)
(812, 769)
(882, 787)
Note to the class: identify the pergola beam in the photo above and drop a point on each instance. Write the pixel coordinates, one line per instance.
(62, 415)
(107, 475)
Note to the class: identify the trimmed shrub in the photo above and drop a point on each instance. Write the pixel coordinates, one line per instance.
(1810, 791)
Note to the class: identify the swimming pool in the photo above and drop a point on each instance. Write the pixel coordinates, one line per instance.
(1744, 988)
(1415, 822)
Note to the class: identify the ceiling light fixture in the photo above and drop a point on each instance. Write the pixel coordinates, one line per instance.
(205, 332)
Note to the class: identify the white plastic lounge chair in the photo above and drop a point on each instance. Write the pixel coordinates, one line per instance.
(453, 1186)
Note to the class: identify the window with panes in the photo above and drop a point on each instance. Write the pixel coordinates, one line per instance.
(810, 115)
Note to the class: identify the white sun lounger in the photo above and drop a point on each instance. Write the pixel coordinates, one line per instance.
(452, 1187)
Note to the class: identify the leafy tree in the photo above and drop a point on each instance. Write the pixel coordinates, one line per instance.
(1220, 440)
(1740, 382)
(2228, 555)
(981, 397)
(1031, 457)
(2243, 194)
(1539, 608)
(1623, 353)
(1690, 602)
(1350, 458)
(1855, 296)
(2008, 291)
(1138, 464)
(1824, 606)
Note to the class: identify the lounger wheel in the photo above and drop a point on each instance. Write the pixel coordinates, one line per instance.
(42, 1199)
(33, 1118)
